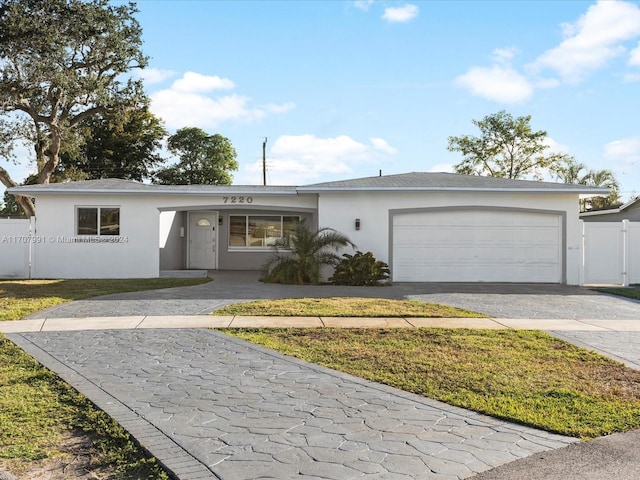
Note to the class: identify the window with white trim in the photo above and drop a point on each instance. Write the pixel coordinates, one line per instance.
(98, 221)
(260, 231)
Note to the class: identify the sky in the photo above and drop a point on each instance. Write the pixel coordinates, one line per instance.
(345, 89)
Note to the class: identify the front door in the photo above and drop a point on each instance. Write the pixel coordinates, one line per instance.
(202, 240)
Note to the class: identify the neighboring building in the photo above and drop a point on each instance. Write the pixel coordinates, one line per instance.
(432, 227)
(629, 211)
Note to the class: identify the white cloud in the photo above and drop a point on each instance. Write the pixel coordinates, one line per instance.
(554, 146)
(363, 4)
(634, 57)
(155, 75)
(504, 55)
(282, 108)
(593, 40)
(302, 159)
(189, 102)
(622, 157)
(383, 146)
(196, 83)
(626, 150)
(499, 83)
(443, 167)
(400, 14)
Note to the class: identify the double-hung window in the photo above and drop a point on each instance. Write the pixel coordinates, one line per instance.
(98, 221)
(260, 231)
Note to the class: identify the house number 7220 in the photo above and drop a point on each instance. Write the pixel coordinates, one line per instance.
(237, 199)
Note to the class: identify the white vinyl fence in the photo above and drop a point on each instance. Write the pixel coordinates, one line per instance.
(15, 247)
(611, 252)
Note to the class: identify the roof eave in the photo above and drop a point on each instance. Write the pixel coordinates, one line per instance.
(92, 191)
(588, 192)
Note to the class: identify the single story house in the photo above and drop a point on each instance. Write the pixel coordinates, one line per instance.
(629, 211)
(429, 227)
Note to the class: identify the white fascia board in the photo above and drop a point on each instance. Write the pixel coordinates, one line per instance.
(587, 192)
(107, 191)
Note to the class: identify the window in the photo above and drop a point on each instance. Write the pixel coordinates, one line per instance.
(260, 231)
(98, 221)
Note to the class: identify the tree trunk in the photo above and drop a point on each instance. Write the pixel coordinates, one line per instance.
(53, 156)
(25, 203)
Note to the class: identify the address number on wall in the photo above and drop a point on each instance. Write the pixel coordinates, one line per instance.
(237, 199)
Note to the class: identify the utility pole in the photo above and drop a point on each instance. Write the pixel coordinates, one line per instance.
(264, 162)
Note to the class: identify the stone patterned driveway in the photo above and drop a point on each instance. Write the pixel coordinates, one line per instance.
(211, 406)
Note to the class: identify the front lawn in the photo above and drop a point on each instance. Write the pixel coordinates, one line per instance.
(522, 376)
(19, 298)
(39, 413)
(633, 291)
(345, 307)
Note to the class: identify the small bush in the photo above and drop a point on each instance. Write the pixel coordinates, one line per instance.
(302, 261)
(361, 269)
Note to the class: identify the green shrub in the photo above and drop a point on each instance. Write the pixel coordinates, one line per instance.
(361, 269)
(302, 262)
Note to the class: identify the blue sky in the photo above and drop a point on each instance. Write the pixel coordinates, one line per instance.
(343, 89)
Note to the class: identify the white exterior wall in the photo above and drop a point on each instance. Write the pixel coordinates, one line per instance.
(339, 211)
(56, 255)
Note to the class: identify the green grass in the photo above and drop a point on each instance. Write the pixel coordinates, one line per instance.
(633, 291)
(527, 377)
(19, 298)
(344, 307)
(37, 408)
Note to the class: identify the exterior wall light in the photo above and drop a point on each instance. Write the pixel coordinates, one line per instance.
(357, 224)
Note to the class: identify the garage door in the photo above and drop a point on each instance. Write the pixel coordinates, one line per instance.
(477, 246)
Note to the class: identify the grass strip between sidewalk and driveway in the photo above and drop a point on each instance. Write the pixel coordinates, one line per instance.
(19, 298)
(527, 377)
(345, 307)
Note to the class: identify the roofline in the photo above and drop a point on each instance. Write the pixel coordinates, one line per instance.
(586, 190)
(92, 191)
(59, 189)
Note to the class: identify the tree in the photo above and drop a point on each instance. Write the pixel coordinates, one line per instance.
(506, 147)
(302, 262)
(577, 173)
(115, 146)
(62, 62)
(204, 159)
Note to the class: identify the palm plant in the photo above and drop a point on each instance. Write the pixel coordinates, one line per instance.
(303, 260)
(577, 173)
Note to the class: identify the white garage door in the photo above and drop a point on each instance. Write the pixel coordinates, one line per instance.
(477, 246)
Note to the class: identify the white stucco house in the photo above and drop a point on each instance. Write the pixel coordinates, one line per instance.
(431, 227)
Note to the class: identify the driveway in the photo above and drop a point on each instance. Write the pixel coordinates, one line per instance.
(209, 406)
(214, 407)
(532, 301)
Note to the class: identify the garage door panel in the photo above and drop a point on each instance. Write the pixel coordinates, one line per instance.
(477, 245)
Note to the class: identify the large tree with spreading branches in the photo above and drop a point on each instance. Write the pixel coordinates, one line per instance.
(61, 63)
(507, 147)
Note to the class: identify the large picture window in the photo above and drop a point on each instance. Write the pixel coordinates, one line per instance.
(98, 221)
(260, 231)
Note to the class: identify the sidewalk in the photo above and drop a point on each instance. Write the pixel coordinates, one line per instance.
(203, 321)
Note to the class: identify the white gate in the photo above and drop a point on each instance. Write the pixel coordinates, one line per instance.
(16, 242)
(611, 252)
